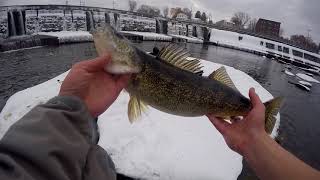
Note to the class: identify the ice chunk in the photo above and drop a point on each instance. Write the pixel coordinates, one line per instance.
(307, 78)
(289, 73)
(305, 83)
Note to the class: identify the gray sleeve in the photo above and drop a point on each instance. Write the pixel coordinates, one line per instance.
(56, 140)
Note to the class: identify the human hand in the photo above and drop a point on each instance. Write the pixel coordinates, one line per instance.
(90, 82)
(242, 132)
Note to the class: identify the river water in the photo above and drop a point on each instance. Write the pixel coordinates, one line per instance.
(300, 123)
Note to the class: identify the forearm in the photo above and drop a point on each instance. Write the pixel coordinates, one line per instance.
(52, 141)
(270, 161)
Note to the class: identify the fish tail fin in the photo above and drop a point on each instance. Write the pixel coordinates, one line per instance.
(272, 109)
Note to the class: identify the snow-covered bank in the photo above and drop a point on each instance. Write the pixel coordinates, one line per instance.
(70, 36)
(160, 146)
(252, 43)
(150, 36)
(188, 39)
(84, 36)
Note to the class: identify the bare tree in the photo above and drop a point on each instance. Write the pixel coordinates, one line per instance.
(166, 12)
(198, 14)
(204, 17)
(305, 42)
(240, 19)
(132, 5)
(188, 12)
(252, 24)
(149, 10)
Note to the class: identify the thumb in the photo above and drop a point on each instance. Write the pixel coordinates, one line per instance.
(255, 100)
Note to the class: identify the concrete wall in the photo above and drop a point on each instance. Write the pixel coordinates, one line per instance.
(20, 20)
(3, 23)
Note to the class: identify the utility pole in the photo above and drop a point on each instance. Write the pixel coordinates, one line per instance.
(309, 30)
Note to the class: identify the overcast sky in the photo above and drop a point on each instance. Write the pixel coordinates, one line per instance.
(296, 16)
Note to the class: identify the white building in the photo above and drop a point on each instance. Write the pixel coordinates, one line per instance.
(182, 16)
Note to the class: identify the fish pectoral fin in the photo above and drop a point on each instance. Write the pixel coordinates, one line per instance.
(135, 108)
(222, 76)
(272, 109)
(178, 57)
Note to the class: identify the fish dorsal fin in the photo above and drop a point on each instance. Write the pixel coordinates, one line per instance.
(135, 108)
(178, 57)
(222, 76)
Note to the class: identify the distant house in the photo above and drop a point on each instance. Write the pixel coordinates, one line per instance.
(224, 23)
(268, 27)
(182, 16)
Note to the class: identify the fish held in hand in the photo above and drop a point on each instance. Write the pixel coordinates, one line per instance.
(173, 83)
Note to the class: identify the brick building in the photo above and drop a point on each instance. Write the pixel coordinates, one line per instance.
(268, 27)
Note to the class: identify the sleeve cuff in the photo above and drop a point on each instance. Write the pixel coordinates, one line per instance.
(76, 105)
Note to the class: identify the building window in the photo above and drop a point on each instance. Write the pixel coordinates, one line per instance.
(280, 48)
(286, 50)
(310, 57)
(261, 43)
(297, 53)
(270, 46)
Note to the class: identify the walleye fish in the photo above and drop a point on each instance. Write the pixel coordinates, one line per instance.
(170, 82)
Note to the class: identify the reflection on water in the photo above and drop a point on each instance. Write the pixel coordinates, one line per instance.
(300, 124)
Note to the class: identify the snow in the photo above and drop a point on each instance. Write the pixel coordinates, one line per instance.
(189, 39)
(150, 36)
(304, 87)
(289, 73)
(160, 146)
(70, 36)
(305, 83)
(307, 78)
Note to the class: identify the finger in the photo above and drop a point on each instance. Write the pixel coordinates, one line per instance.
(220, 124)
(255, 100)
(123, 81)
(96, 64)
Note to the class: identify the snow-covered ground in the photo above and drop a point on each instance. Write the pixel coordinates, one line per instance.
(150, 36)
(189, 39)
(160, 146)
(70, 36)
